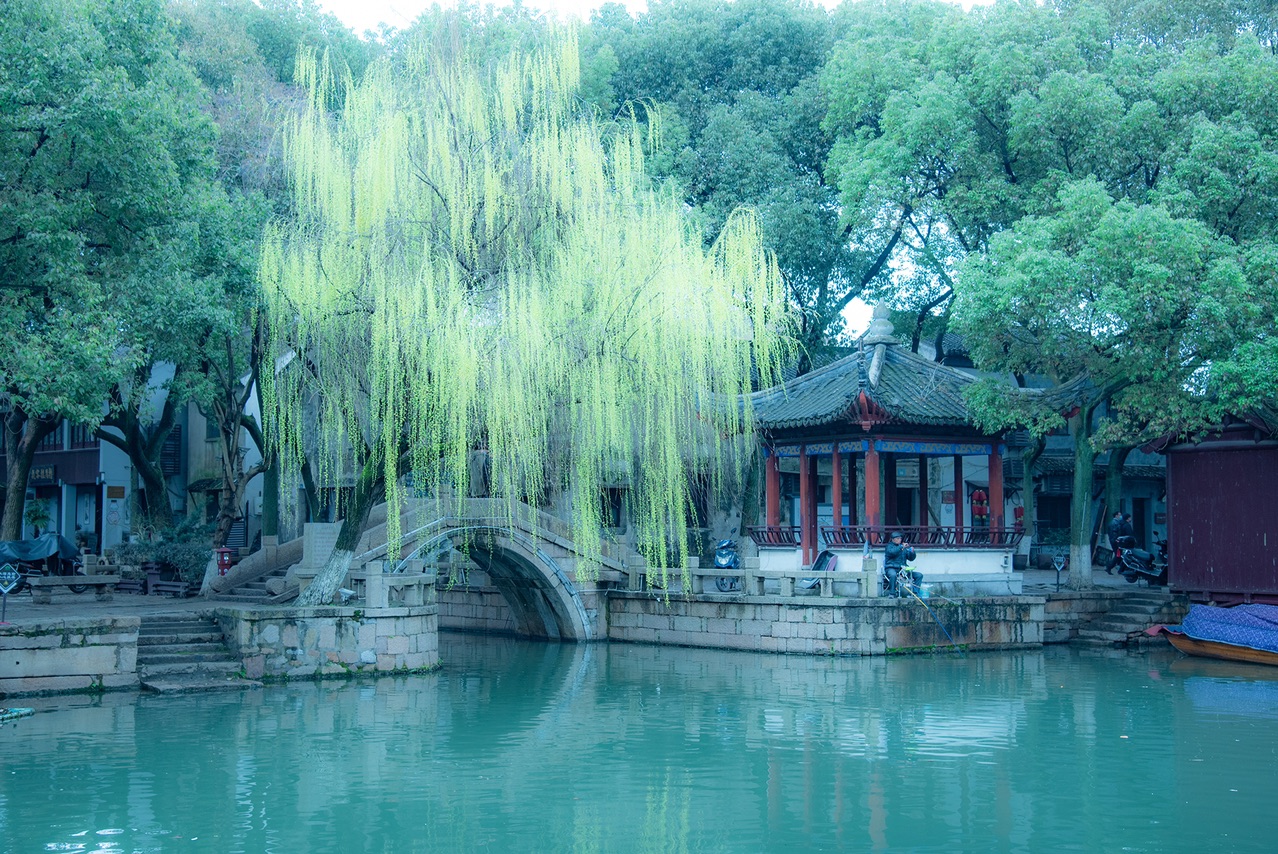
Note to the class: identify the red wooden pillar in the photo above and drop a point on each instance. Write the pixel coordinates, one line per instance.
(805, 507)
(872, 516)
(836, 487)
(852, 517)
(996, 488)
(923, 494)
(960, 498)
(773, 501)
(890, 518)
(814, 498)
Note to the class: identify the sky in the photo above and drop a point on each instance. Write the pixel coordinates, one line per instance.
(361, 15)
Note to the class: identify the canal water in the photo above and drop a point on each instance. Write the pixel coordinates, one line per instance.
(526, 747)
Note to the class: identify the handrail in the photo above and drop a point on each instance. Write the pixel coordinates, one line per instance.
(924, 536)
(774, 535)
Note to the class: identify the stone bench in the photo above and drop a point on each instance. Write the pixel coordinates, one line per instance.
(43, 586)
(177, 589)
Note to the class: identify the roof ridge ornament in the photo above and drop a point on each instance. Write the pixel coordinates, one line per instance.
(881, 330)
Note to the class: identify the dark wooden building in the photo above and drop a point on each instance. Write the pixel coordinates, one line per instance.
(1222, 500)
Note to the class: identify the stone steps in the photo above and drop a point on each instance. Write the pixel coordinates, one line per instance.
(253, 591)
(1129, 618)
(183, 654)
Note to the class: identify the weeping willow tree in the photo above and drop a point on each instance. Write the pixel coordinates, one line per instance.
(475, 263)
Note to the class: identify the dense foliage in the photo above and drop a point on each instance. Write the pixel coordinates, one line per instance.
(1086, 189)
(475, 263)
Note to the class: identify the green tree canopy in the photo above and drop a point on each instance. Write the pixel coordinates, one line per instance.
(105, 168)
(472, 264)
(736, 84)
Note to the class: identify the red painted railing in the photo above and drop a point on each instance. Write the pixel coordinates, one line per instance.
(783, 535)
(930, 536)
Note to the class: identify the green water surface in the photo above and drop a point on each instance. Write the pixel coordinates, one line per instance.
(516, 746)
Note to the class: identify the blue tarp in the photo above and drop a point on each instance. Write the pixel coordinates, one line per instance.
(37, 549)
(1255, 626)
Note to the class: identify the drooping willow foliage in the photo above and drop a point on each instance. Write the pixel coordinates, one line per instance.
(475, 263)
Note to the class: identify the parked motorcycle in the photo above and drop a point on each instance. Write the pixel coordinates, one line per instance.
(725, 557)
(1134, 563)
(46, 555)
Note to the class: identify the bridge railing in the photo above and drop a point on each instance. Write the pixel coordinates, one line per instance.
(749, 580)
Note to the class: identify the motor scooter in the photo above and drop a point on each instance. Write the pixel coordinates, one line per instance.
(1134, 563)
(725, 557)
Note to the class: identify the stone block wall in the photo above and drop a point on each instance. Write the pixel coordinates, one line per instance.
(336, 641)
(61, 656)
(1066, 611)
(474, 609)
(850, 627)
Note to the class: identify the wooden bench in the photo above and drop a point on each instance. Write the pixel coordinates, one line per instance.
(131, 585)
(42, 586)
(177, 589)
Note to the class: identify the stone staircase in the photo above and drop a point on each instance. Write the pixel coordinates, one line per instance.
(184, 653)
(253, 592)
(1127, 620)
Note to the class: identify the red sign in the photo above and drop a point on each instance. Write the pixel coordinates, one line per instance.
(947, 496)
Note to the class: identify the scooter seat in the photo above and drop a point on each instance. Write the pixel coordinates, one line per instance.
(1142, 555)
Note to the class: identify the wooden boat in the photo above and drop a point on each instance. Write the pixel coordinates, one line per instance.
(1247, 633)
(1216, 649)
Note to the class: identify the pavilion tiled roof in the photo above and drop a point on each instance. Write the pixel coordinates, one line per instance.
(908, 388)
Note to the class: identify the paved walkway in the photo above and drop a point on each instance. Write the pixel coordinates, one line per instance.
(70, 605)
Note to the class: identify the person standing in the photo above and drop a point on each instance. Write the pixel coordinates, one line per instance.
(1114, 531)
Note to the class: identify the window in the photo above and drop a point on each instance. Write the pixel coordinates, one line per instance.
(82, 436)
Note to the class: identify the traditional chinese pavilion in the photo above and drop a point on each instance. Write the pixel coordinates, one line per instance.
(881, 441)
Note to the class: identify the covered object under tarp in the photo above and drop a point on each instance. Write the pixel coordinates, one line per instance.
(38, 549)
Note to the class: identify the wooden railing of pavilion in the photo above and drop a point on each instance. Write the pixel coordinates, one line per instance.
(921, 536)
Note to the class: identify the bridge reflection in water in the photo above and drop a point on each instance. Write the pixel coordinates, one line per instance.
(518, 746)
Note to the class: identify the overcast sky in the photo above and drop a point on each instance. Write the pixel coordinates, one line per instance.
(361, 15)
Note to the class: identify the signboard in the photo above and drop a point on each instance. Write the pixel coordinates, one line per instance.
(1160, 518)
(43, 475)
(9, 578)
(947, 496)
(116, 492)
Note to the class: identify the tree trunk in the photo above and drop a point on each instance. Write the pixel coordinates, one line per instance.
(1080, 506)
(271, 501)
(1029, 498)
(367, 489)
(153, 504)
(1114, 477)
(22, 435)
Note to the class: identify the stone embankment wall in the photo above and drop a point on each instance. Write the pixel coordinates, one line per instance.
(338, 641)
(847, 627)
(87, 654)
(474, 608)
(1067, 611)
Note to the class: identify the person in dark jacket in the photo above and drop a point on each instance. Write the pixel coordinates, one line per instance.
(1114, 531)
(895, 555)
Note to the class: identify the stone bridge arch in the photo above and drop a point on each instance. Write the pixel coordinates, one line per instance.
(532, 566)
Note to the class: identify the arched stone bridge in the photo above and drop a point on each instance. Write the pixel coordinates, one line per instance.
(527, 556)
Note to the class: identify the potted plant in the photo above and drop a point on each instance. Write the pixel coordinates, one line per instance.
(37, 516)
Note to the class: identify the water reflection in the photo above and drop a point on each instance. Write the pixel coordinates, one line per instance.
(519, 746)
